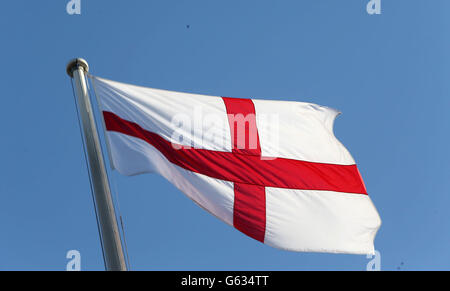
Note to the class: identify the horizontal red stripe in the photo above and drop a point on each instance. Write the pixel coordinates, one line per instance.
(247, 169)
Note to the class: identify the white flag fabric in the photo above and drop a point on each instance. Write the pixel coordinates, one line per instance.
(272, 169)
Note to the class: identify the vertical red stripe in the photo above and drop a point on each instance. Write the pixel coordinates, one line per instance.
(242, 121)
(249, 214)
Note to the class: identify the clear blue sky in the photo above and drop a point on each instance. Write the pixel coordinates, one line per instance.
(388, 74)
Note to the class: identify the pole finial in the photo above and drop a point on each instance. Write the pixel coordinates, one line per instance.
(74, 64)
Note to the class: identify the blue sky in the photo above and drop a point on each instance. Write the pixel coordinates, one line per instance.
(388, 74)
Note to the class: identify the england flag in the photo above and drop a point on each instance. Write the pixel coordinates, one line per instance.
(272, 169)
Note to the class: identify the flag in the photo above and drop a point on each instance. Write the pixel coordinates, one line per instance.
(272, 169)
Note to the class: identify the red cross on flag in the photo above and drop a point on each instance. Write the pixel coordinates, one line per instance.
(272, 169)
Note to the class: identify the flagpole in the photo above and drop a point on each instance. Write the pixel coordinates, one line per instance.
(106, 217)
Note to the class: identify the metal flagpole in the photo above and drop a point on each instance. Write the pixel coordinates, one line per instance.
(109, 230)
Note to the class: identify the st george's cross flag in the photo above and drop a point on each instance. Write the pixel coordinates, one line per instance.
(272, 169)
